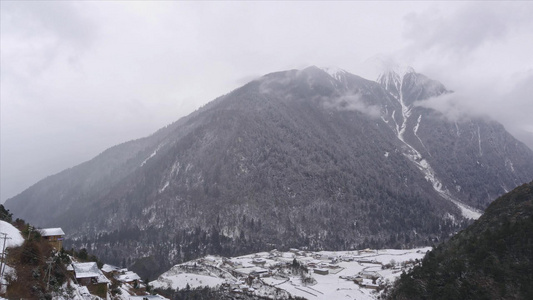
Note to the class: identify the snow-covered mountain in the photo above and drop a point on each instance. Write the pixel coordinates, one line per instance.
(319, 158)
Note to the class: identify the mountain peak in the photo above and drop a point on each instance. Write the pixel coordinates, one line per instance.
(401, 70)
(379, 66)
(394, 72)
(334, 72)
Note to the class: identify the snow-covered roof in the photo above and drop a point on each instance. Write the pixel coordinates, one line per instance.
(148, 297)
(89, 270)
(84, 291)
(109, 268)
(102, 279)
(128, 277)
(248, 271)
(51, 231)
(368, 273)
(86, 270)
(15, 239)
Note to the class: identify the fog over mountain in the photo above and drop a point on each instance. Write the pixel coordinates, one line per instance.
(317, 158)
(80, 77)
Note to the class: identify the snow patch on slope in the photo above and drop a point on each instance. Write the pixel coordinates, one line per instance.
(164, 187)
(396, 81)
(509, 165)
(415, 131)
(151, 155)
(467, 211)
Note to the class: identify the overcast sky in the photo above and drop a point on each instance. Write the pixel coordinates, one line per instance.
(80, 77)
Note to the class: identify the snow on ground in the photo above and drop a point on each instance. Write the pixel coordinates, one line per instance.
(13, 234)
(13, 239)
(74, 291)
(327, 287)
(332, 286)
(180, 281)
(467, 211)
(273, 277)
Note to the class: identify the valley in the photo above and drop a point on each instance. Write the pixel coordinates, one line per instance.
(312, 275)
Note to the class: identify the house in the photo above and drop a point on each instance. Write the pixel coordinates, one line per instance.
(148, 297)
(369, 284)
(368, 261)
(369, 275)
(55, 236)
(128, 277)
(367, 250)
(260, 272)
(347, 258)
(321, 271)
(251, 272)
(259, 261)
(89, 275)
(110, 269)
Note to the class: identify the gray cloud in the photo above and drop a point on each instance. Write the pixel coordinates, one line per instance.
(459, 33)
(36, 34)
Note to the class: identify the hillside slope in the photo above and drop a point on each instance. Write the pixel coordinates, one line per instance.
(491, 259)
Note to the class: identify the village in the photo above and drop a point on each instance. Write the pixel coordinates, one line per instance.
(87, 281)
(354, 274)
(107, 282)
(357, 274)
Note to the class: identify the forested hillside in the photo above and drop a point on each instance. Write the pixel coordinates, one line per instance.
(491, 259)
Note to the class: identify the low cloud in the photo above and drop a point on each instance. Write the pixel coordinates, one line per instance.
(481, 51)
(509, 103)
(352, 102)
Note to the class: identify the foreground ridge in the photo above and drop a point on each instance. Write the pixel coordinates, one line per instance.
(490, 259)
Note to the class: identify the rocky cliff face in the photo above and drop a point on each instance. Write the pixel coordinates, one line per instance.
(316, 157)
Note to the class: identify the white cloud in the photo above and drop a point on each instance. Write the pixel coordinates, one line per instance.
(352, 102)
(480, 50)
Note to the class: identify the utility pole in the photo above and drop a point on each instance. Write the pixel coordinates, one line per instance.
(29, 231)
(3, 248)
(3, 258)
(49, 271)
